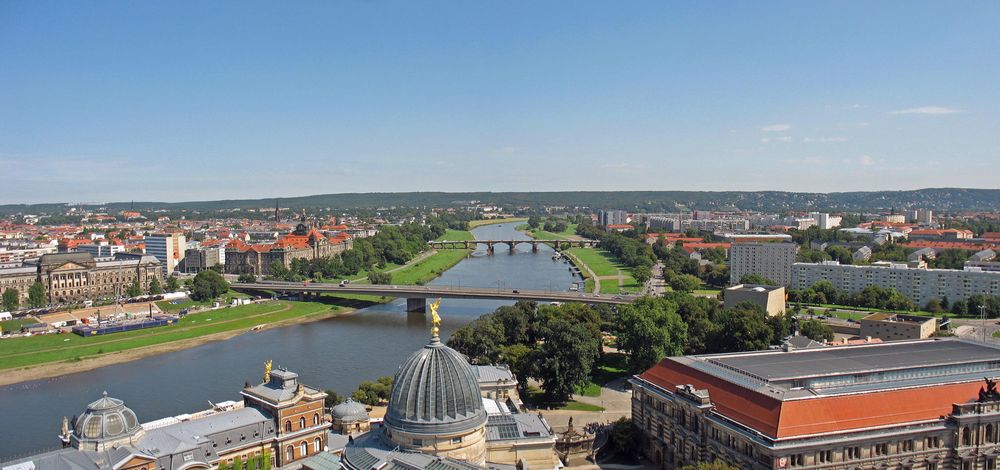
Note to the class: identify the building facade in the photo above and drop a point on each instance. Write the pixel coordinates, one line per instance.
(612, 217)
(304, 242)
(770, 298)
(896, 326)
(920, 405)
(918, 284)
(168, 248)
(73, 277)
(770, 260)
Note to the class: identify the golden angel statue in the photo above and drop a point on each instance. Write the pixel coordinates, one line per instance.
(267, 371)
(435, 318)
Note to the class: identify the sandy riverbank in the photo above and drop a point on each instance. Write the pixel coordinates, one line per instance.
(55, 369)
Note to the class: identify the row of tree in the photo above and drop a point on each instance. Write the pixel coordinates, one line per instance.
(824, 292)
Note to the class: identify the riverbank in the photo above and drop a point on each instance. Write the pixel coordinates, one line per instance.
(479, 223)
(45, 356)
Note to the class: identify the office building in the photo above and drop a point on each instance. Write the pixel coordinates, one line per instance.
(168, 248)
(896, 326)
(773, 261)
(72, 277)
(101, 249)
(202, 258)
(916, 283)
(920, 405)
(825, 221)
(612, 217)
(769, 298)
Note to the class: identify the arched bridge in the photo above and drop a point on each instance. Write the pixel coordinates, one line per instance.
(416, 296)
(491, 244)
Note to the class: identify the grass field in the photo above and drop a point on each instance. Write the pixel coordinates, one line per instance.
(577, 406)
(40, 349)
(169, 307)
(456, 235)
(544, 235)
(429, 268)
(609, 367)
(535, 397)
(479, 223)
(599, 261)
(14, 325)
(629, 285)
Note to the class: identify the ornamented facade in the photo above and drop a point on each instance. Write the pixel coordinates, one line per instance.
(71, 277)
(304, 243)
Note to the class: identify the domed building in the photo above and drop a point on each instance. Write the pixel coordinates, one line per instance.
(435, 406)
(106, 424)
(351, 417)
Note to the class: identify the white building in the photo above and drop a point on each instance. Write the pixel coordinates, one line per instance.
(102, 249)
(770, 260)
(168, 248)
(614, 217)
(918, 284)
(826, 221)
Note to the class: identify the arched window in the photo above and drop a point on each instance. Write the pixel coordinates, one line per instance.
(991, 435)
(304, 449)
(317, 445)
(302, 423)
(315, 419)
(966, 436)
(289, 454)
(288, 426)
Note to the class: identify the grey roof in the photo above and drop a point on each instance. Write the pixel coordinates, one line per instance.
(282, 385)
(62, 459)
(435, 391)
(105, 419)
(489, 373)
(779, 365)
(350, 410)
(188, 435)
(371, 451)
(516, 426)
(321, 461)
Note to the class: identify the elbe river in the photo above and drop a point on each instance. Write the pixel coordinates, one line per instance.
(336, 353)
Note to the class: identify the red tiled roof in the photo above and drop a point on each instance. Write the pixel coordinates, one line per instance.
(952, 245)
(818, 415)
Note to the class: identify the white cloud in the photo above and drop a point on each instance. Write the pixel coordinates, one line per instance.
(823, 140)
(776, 128)
(866, 160)
(927, 110)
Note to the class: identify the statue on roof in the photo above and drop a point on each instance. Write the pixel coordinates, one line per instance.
(435, 318)
(989, 392)
(267, 371)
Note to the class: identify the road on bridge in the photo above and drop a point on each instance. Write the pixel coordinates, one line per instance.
(427, 292)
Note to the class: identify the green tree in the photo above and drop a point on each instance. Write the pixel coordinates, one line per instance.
(11, 299)
(840, 253)
(154, 286)
(743, 328)
(934, 306)
(649, 330)
(642, 274)
(373, 393)
(133, 290)
(278, 270)
(520, 359)
(208, 285)
(816, 330)
(379, 277)
(36, 295)
(624, 437)
(332, 398)
(565, 359)
(173, 285)
(534, 221)
(266, 460)
(246, 278)
(684, 282)
(238, 463)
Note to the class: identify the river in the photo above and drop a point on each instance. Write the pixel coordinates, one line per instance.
(337, 353)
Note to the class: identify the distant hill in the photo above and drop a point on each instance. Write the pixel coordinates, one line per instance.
(941, 199)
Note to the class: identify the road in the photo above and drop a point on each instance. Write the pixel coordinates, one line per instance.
(428, 292)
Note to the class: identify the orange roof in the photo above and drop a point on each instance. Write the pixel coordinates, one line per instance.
(620, 226)
(689, 247)
(992, 236)
(952, 245)
(818, 415)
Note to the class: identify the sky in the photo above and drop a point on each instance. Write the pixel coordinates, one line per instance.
(178, 101)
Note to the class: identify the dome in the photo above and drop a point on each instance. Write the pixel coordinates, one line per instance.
(106, 419)
(435, 391)
(350, 410)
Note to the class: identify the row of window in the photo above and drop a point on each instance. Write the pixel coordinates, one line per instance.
(302, 422)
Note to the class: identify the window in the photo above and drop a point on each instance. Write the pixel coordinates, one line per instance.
(289, 453)
(907, 446)
(418, 442)
(796, 460)
(304, 449)
(966, 436)
(456, 440)
(288, 426)
(302, 423)
(825, 456)
(931, 465)
(317, 445)
(881, 449)
(852, 452)
(315, 419)
(991, 433)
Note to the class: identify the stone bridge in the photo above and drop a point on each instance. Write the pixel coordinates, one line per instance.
(491, 244)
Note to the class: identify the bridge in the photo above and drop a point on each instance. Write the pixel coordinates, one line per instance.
(490, 244)
(416, 296)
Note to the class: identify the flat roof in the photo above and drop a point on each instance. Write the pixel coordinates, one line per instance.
(781, 365)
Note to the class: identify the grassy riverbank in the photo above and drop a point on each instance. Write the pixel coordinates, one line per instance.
(540, 234)
(479, 223)
(22, 352)
(608, 270)
(456, 235)
(429, 268)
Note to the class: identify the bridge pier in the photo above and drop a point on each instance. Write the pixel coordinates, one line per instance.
(534, 247)
(416, 305)
(512, 245)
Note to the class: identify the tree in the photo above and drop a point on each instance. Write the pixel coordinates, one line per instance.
(743, 328)
(840, 253)
(684, 282)
(649, 330)
(278, 270)
(238, 463)
(36, 295)
(715, 465)
(624, 437)
(246, 278)
(934, 306)
(379, 277)
(816, 330)
(565, 359)
(134, 289)
(11, 299)
(332, 399)
(752, 278)
(642, 274)
(521, 361)
(208, 285)
(172, 284)
(534, 221)
(154, 286)
(373, 393)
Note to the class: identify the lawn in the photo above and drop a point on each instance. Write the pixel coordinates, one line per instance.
(456, 235)
(540, 234)
(609, 367)
(429, 268)
(996, 334)
(599, 261)
(577, 406)
(535, 397)
(169, 307)
(629, 285)
(706, 291)
(14, 325)
(479, 223)
(39, 349)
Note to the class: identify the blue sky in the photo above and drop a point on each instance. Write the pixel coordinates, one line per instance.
(176, 101)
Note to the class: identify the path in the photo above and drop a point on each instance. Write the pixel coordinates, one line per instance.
(617, 403)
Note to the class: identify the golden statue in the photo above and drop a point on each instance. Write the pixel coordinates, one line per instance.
(435, 318)
(267, 371)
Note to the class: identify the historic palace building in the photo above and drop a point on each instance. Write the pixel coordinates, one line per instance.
(305, 242)
(920, 405)
(280, 421)
(70, 277)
